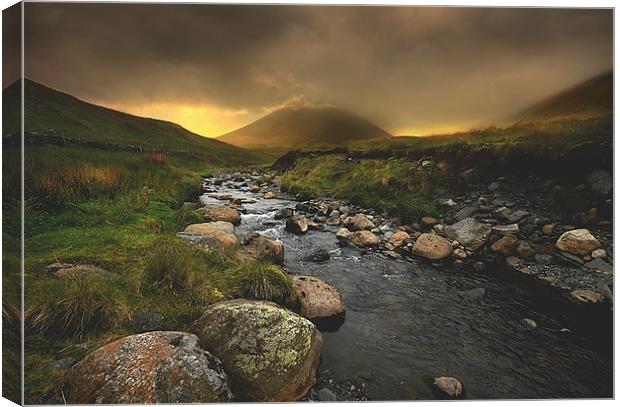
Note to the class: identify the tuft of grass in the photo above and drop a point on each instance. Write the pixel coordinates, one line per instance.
(74, 307)
(260, 281)
(156, 159)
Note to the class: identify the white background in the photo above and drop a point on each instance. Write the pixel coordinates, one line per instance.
(540, 3)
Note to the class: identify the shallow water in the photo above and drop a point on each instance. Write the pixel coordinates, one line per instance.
(407, 322)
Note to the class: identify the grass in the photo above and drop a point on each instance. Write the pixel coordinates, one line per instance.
(386, 175)
(393, 186)
(119, 211)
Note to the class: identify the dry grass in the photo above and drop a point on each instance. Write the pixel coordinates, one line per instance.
(82, 181)
(156, 159)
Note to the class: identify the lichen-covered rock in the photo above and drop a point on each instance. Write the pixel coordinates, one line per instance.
(318, 299)
(432, 246)
(262, 248)
(153, 367)
(364, 238)
(269, 352)
(578, 241)
(398, 238)
(586, 296)
(298, 224)
(360, 222)
(469, 232)
(222, 233)
(214, 213)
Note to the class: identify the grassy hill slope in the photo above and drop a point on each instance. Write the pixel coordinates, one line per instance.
(70, 117)
(587, 100)
(291, 127)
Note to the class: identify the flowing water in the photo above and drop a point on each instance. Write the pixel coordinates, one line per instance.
(407, 322)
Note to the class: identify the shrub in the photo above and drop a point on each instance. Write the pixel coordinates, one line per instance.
(73, 307)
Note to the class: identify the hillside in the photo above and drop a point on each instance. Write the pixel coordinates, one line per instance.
(291, 127)
(70, 117)
(591, 99)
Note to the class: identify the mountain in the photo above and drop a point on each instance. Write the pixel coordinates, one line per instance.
(46, 109)
(290, 127)
(591, 99)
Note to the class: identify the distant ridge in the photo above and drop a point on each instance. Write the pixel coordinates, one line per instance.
(290, 127)
(590, 99)
(46, 109)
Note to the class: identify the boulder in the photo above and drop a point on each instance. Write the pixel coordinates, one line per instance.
(222, 233)
(318, 299)
(364, 238)
(261, 248)
(432, 246)
(214, 213)
(284, 213)
(270, 353)
(578, 241)
(343, 233)
(428, 222)
(333, 220)
(469, 233)
(586, 296)
(448, 387)
(318, 255)
(153, 367)
(506, 245)
(360, 222)
(298, 224)
(398, 238)
(269, 195)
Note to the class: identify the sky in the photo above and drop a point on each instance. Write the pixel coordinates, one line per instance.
(410, 70)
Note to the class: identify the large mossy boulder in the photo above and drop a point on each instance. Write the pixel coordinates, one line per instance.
(269, 352)
(153, 367)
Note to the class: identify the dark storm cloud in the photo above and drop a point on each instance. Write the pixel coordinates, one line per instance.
(410, 69)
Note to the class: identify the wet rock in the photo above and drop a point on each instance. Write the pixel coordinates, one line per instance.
(529, 324)
(153, 367)
(343, 233)
(506, 245)
(318, 299)
(261, 248)
(517, 216)
(569, 259)
(459, 253)
(506, 229)
(77, 271)
(146, 321)
(269, 195)
(428, 222)
(513, 261)
(360, 222)
(599, 265)
(599, 254)
(318, 255)
(364, 238)
(269, 352)
(469, 233)
(432, 246)
(284, 213)
(586, 296)
(333, 220)
(298, 224)
(474, 295)
(479, 266)
(448, 387)
(466, 212)
(326, 394)
(548, 229)
(578, 241)
(525, 250)
(214, 213)
(222, 234)
(398, 238)
(494, 186)
(600, 182)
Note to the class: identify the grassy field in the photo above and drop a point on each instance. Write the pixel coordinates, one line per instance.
(387, 175)
(119, 211)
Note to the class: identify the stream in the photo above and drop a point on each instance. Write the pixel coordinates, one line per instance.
(408, 322)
